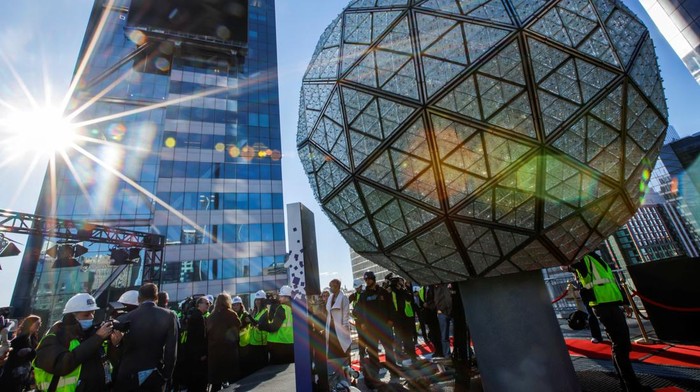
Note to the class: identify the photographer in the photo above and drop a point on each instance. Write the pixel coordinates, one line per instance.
(147, 350)
(70, 356)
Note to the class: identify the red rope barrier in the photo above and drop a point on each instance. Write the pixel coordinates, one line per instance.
(662, 306)
(560, 297)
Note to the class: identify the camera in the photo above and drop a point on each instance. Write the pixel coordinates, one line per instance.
(119, 326)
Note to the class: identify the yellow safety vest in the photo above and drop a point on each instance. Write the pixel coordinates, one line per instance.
(601, 279)
(285, 334)
(407, 308)
(258, 337)
(421, 294)
(244, 333)
(67, 383)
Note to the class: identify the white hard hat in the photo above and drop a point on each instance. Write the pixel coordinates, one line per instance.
(237, 300)
(357, 283)
(286, 291)
(326, 290)
(130, 297)
(81, 302)
(210, 298)
(260, 294)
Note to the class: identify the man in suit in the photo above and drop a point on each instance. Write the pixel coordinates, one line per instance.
(146, 354)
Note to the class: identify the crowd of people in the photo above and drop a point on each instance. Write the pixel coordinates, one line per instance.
(212, 343)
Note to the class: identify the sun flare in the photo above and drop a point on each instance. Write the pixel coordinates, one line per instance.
(43, 131)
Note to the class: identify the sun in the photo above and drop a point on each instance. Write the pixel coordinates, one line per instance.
(42, 131)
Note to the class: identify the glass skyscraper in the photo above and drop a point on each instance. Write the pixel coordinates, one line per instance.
(184, 142)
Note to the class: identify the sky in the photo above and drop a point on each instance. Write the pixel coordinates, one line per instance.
(39, 42)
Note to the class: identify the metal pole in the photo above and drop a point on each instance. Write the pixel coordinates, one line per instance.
(636, 313)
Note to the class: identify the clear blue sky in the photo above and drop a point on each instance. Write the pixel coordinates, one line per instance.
(41, 38)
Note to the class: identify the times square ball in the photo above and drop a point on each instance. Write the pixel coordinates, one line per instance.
(449, 139)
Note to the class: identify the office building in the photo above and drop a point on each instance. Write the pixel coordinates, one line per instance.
(183, 105)
(679, 22)
(360, 265)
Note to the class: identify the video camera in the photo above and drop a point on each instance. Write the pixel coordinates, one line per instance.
(117, 325)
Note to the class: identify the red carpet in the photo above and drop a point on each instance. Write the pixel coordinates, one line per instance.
(657, 354)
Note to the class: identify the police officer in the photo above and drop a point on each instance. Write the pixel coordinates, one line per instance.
(71, 356)
(280, 327)
(375, 312)
(595, 274)
(257, 339)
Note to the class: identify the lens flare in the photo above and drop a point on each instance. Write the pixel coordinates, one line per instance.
(41, 131)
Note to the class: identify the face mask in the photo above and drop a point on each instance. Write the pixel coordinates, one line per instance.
(85, 324)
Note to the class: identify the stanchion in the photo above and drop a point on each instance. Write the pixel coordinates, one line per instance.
(645, 337)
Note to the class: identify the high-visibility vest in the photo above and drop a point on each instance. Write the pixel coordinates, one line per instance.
(407, 308)
(258, 337)
(421, 294)
(67, 383)
(285, 334)
(601, 280)
(244, 333)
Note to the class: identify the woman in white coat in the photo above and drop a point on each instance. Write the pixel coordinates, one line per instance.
(338, 338)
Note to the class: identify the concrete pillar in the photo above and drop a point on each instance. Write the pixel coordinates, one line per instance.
(519, 345)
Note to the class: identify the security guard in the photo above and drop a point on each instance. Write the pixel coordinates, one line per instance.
(280, 325)
(71, 356)
(257, 339)
(595, 274)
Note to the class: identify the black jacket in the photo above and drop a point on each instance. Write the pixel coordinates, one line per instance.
(375, 305)
(151, 342)
(53, 355)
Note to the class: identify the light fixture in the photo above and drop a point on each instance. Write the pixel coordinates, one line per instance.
(65, 254)
(121, 256)
(8, 248)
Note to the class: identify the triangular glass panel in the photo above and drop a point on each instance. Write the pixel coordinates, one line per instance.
(381, 171)
(351, 53)
(363, 227)
(595, 211)
(362, 4)
(610, 109)
(346, 205)
(451, 268)
(463, 100)
(501, 152)
(563, 82)
(469, 233)
(480, 208)
(502, 268)
(508, 199)
(436, 244)
(375, 198)
(388, 63)
(534, 256)
(604, 8)
(359, 244)
(481, 261)
(407, 167)
(340, 149)
(569, 236)
(645, 72)
(389, 3)
(415, 216)
(491, 10)
(331, 36)
(437, 73)
(646, 129)
(495, 93)
(404, 82)
(551, 26)
(598, 46)
(424, 189)
(362, 146)
(469, 157)
(459, 185)
(409, 251)
(509, 240)
(449, 47)
(592, 78)
(522, 216)
(616, 216)
(573, 141)
(599, 137)
(516, 117)
(365, 72)
(393, 114)
(390, 224)
(333, 110)
(506, 65)
(368, 121)
(609, 161)
(313, 99)
(526, 8)
(633, 155)
(355, 101)
(562, 181)
(449, 134)
(398, 39)
(578, 23)
(625, 32)
(413, 141)
(481, 39)
(524, 178)
(325, 65)
(327, 133)
(544, 58)
(328, 177)
(381, 21)
(555, 111)
(449, 6)
(431, 27)
(555, 211)
(592, 189)
(358, 28)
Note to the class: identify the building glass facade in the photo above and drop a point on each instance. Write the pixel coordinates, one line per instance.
(195, 134)
(679, 22)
